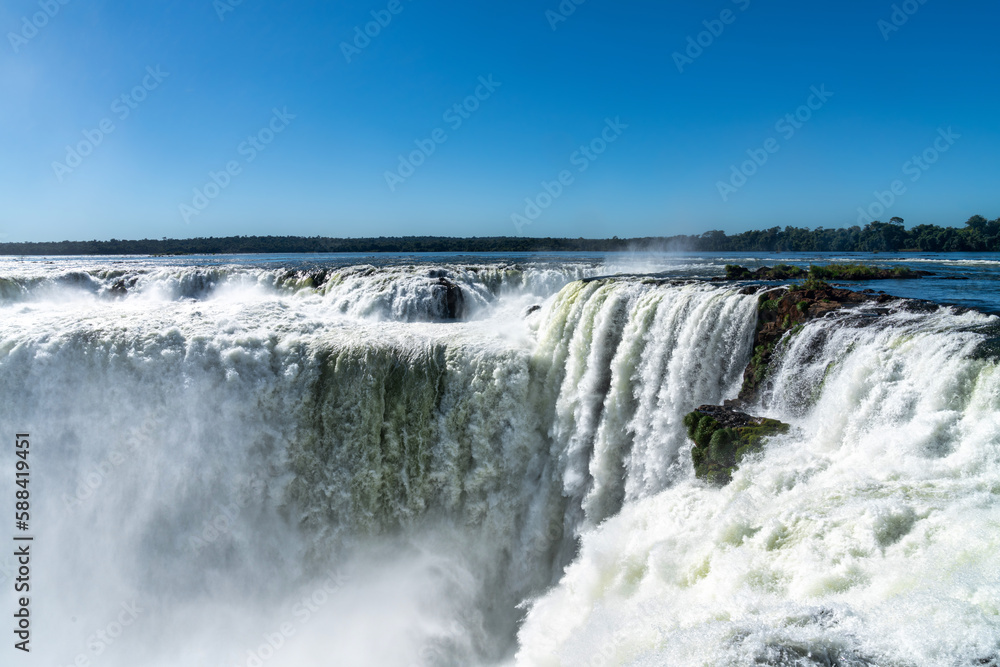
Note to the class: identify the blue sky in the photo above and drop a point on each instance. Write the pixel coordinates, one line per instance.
(228, 75)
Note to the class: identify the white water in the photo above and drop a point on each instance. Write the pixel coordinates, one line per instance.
(405, 293)
(868, 535)
(242, 454)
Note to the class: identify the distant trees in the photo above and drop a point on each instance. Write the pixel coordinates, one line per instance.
(978, 234)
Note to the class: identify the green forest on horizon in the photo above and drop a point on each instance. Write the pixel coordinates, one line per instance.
(977, 235)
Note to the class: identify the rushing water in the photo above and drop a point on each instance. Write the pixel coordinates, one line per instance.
(332, 460)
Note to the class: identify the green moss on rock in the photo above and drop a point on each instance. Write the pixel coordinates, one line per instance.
(785, 310)
(822, 272)
(723, 437)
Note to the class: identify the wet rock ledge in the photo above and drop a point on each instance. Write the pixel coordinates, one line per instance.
(840, 272)
(780, 311)
(723, 435)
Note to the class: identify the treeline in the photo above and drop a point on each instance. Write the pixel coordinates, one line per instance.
(239, 245)
(978, 234)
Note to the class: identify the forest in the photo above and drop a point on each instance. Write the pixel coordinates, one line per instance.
(977, 235)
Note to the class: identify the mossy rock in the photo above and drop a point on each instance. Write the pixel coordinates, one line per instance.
(736, 272)
(723, 437)
(823, 272)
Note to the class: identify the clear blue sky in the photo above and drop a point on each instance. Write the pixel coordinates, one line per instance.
(325, 172)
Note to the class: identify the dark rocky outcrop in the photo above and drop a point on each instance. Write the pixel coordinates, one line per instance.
(989, 348)
(837, 272)
(531, 309)
(320, 277)
(314, 278)
(782, 310)
(123, 285)
(779, 272)
(723, 436)
(454, 299)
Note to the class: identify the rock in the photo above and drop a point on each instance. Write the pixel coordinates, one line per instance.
(454, 299)
(723, 436)
(314, 278)
(782, 310)
(835, 272)
(319, 277)
(779, 272)
(531, 309)
(123, 285)
(990, 347)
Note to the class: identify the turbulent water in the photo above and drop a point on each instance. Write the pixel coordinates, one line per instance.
(481, 461)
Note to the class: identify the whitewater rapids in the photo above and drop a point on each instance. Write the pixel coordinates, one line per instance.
(288, 466)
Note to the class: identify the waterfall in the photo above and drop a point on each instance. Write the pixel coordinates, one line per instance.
(866, 536)
(218, 445)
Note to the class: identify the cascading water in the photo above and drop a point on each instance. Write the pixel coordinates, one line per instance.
(623, 362)
(304, 466)
(866, 536)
